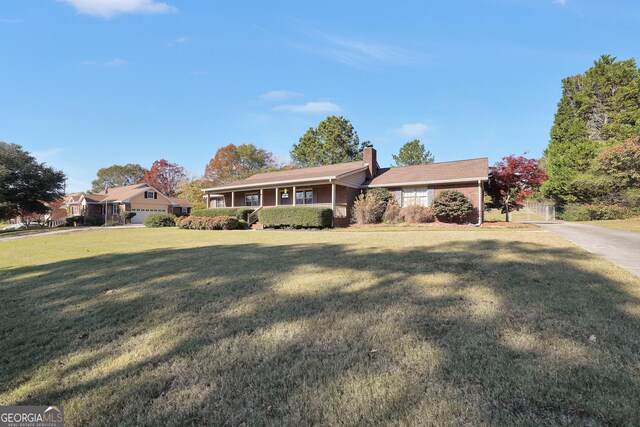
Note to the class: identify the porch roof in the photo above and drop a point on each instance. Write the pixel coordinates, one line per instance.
(294, 176)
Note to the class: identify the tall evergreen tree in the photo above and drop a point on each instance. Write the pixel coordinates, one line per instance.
(333, 141)
(598, 109)
(413, 153)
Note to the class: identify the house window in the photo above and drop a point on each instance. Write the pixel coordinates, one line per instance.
(252, 199)
(150, 195)
(218, 202)
(115, 209)
(415, 196)
(304, 197)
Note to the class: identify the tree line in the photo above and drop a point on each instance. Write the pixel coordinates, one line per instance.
(592, 161)
(334, 140)
(593, 156)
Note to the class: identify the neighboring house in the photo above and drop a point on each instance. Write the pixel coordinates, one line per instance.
(337, 186)
(139, 198)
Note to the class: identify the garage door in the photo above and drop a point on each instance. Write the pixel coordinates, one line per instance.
(141, 214)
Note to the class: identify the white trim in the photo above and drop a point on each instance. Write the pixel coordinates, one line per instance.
(439, 181)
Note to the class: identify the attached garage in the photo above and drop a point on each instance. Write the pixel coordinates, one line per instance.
(141, 214)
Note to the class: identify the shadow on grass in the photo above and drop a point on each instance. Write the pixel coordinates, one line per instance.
(465, 332)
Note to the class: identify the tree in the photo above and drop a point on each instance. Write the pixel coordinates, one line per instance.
(333, 141)
(512, 179)
(26, 186)
(621, 163)
(118, 176)
(233, 162)
(191, 189)
(165, 176)
(598, 109)
(413, 153)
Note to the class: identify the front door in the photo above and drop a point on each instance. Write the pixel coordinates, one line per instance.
(285, 198)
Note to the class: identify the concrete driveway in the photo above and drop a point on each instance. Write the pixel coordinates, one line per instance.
(620, 247)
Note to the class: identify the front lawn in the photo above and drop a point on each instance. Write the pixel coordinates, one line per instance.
(181, 327)
(629, 224)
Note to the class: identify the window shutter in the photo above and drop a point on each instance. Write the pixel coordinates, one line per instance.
(155, 195)
(431, 193)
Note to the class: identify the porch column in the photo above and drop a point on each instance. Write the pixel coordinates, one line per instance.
(294, 195)
(208, 201)
(233, 199)
(277, 196)
(333, 201)
(480, 204)
(261, 197)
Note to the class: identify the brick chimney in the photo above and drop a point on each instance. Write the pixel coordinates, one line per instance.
(369, 157)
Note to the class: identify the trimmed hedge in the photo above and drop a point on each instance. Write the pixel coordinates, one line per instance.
(240, 213)
(224, 222)
(296, 217)
(160, 220)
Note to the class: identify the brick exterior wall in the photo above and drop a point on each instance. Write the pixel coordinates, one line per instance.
(468, 189)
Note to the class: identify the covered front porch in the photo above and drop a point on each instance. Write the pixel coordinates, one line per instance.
(330, 195)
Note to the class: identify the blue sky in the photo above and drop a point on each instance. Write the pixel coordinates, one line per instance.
(90, 83)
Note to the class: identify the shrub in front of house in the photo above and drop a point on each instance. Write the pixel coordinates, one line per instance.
(74, 221)
(296, 217)
(223, 222)
(392, 212)
(579, 212)
(368, 209)
(94, 221)
(113, 221)
(417, 214)
(240, 213)
(160, 220)
(451, 206)
(127, 215)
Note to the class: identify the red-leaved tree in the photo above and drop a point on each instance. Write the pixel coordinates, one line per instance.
(165, 176)
(512, 179)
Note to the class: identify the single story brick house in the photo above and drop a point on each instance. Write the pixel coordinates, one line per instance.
(337, 186)
(142, 199)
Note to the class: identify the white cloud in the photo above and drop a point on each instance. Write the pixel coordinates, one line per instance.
(109, 8)
(309, 107)
(279, 95)
(560, 2)
(412, 130)
(355, 52)
(179, 40)
(10, 21)
(115, 62)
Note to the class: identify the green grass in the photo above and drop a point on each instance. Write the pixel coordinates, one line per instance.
(180, 327)
(494, 215)
(629, 224)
